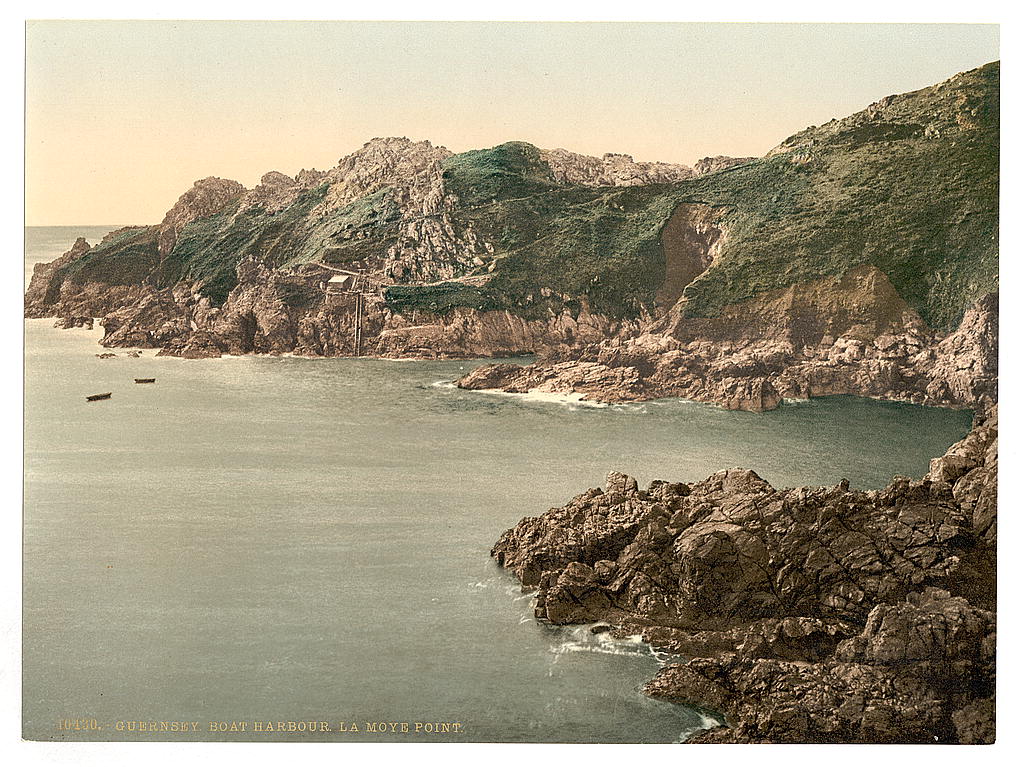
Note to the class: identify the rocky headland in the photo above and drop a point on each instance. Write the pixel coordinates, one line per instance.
(260, 263)
(806, 615)
(857, 257)
(814, 297)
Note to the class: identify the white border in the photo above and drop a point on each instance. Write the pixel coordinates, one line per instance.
(1010, 677)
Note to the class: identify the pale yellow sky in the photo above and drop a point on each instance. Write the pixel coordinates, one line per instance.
(122, 117)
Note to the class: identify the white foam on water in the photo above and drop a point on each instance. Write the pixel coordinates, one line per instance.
(601, 648)
(575, 400)
(582, 639)
(664, 656)
(629, 407)
(707, 722)
(500, 583)
(572, 399)
(796, 401)
(444, 385)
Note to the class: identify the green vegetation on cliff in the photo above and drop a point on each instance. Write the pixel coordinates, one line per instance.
(910, 186)
(514, 169)
(125, 257)
(208, 249)
(597, 244)
(439, 299)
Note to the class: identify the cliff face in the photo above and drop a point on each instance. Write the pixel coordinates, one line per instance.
(858, 258)
(245, 270)
(809, 615)
(271, 311)
(89, 281)
(849, 336)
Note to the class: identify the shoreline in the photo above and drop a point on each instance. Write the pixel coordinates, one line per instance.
(653, 641)
(958, 370)
(534, 395)
(572, 398)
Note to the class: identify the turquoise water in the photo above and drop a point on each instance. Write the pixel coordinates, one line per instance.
(287, 539)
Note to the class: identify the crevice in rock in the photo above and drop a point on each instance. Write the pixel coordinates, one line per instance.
(690, 240)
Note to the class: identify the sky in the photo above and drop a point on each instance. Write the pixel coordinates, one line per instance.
(121, 116)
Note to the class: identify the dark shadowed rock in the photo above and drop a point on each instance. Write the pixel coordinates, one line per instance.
(197, 345)
(44, 288)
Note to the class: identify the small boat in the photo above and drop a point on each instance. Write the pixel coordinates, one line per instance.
(145, 380)
(94, 397)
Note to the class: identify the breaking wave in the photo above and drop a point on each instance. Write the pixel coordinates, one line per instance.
(583, 639)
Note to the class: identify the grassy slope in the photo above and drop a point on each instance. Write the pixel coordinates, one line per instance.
(922, 209)
(208, 249)
(126, 257)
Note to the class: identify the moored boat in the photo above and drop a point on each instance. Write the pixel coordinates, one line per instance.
(145, 380)
(94, 397)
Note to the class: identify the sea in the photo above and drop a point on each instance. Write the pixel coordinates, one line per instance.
(307, 541)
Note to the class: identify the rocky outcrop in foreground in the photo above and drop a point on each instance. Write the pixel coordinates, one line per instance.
(824, 615)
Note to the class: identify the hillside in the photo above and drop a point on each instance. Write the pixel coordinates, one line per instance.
(549, 242)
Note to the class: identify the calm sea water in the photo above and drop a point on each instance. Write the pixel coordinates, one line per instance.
(289, 539)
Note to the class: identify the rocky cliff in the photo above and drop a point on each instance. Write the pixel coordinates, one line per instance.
(805, 615)
(857, 257)
(239, 271)
(848, 336)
